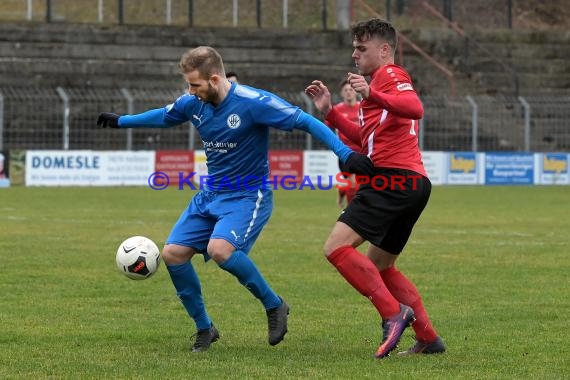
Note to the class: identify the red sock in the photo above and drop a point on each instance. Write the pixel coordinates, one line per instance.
(363, 275)
(406, 293)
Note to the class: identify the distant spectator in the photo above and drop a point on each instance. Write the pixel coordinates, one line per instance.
(349, 109)
(232, 76)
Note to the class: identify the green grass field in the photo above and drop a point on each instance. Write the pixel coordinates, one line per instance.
(492, 264)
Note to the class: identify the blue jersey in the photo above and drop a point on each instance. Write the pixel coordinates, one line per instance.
(235, 133)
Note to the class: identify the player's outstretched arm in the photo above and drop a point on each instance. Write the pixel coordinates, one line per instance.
(108, 120)
(357, 163)
(150, 119)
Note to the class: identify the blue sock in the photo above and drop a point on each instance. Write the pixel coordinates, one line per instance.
(241, 266)
(188, 289)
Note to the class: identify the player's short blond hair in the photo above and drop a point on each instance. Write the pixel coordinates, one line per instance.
(205, 59)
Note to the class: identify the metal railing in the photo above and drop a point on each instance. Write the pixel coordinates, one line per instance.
(323, 14)
(64, 118)
(174, 12)
(472, 42)
(431, 60)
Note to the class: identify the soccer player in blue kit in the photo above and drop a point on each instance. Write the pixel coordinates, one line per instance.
(226, 216)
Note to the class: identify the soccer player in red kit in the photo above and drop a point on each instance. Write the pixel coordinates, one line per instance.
(349, 109)
(387, 131)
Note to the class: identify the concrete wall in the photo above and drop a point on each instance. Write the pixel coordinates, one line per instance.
(130, 56)
(540, 60)
(77, 55)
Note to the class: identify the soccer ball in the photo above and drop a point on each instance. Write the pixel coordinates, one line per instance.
(138, 258)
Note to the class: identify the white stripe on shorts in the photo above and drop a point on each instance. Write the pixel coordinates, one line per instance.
(254, 215)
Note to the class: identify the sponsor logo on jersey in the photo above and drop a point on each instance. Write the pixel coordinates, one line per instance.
(233, 121)
(219, 146)
(199, 118)
(404, 87)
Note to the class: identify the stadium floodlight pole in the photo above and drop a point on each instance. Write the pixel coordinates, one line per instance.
(324, 14)
(121, 12)
(130, 110)
(168, 12)
(66, 112)
(48, 11)
(474, 115)
(510, 14)
(526, 107)
(100, 11)
(29, 12)
(448, 9)
(285, 14)
(258, 12)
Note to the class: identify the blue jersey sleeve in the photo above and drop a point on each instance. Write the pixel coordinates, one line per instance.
(316, 128)
(149, 119)
(269, 109)
(171, 115)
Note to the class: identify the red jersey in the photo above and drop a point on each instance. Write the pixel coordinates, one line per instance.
(350, 113)
(388, 121)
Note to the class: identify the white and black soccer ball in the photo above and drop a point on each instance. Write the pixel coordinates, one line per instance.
(138, 258)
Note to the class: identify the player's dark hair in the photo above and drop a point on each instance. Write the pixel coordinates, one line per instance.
(232, 74)
(375, 28)
(342, 83)
(205, 59)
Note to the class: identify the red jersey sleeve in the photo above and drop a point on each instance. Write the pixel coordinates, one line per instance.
(396, 94)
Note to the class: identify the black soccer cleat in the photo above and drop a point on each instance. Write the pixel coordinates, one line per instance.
(393, 329)
(435, 347)
(204, 338)
(277, 323)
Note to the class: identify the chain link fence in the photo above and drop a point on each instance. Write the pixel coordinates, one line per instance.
(301, 14)
(64, 118)
(496, 123)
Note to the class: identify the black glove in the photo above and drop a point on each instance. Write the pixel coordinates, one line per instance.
(107, 119)
(360, 164)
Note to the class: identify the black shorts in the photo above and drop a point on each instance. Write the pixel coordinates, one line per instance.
(384, 213)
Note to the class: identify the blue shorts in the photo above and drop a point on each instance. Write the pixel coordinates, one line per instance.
(237, 217)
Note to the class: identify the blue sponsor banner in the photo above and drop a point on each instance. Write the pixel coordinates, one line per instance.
(509, 168)
(462, 168)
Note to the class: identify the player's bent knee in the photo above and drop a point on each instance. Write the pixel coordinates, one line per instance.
(220, 250)
(329, 247)
(174, 254)
(220, 256)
